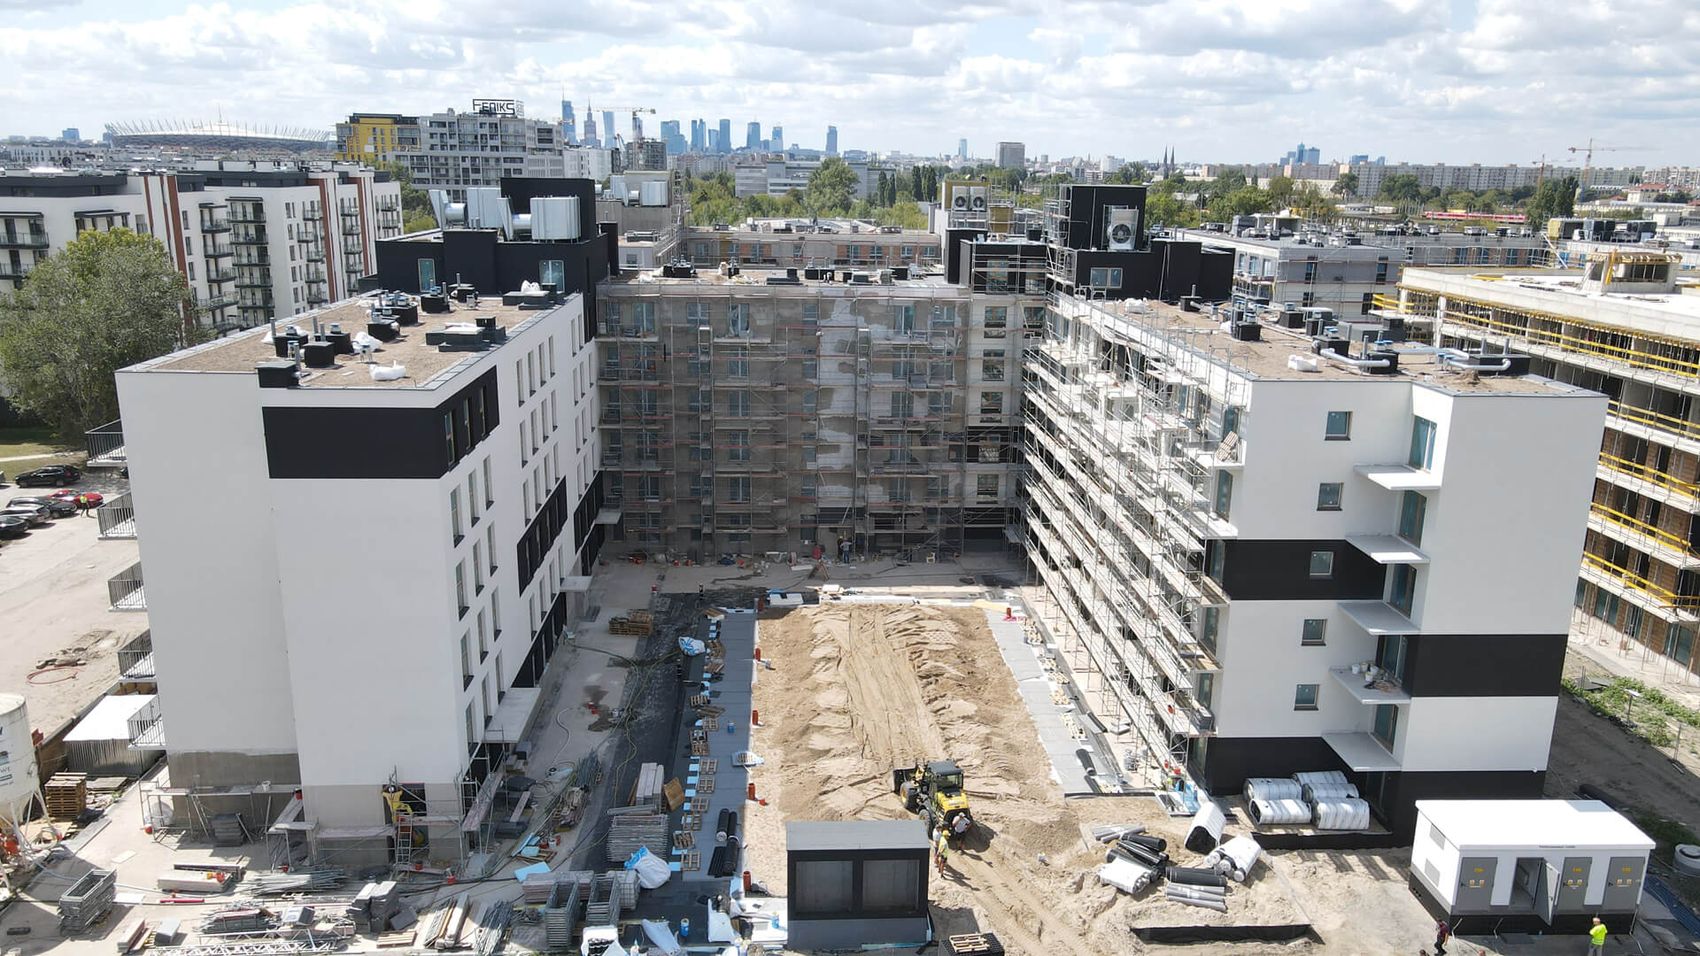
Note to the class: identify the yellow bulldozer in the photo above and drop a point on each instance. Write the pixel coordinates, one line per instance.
(933, 791)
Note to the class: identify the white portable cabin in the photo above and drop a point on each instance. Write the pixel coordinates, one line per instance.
(1560, 861)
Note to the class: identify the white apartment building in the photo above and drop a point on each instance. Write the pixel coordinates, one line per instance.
(1345, 272)
(371, 590)
(457, 150)
(587, 162)
(778, 177)
(1224, 541)
(254, 239)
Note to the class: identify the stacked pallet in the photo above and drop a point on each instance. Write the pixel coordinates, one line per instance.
(66, 795)
(632, 624)
(628, 831)
(652, 777)
(560, 915)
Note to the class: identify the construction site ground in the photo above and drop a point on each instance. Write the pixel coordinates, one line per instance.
(854, 690)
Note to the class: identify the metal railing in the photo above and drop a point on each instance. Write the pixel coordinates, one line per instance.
(106, 446)
(135, 659)
(125, 589)
(117, 517)
(147, 727)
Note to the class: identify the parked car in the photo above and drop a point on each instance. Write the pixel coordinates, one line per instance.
(56, 507)
(71, 495)
(36, 515)
(13, 527)
(50, 476)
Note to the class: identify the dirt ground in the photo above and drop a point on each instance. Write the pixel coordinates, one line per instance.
(1589, 749)
(857, 689)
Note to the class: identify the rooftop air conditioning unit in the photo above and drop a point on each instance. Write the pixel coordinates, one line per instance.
(1123, 227)
(959, 199)
(977, 199)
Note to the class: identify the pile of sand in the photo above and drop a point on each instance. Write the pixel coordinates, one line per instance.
(856, 690)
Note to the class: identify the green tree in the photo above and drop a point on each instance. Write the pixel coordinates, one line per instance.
(832, 187)
(416, 214)
(916, 183)
(1553, 199)
(106, 301)
(1280, 191)
(1163, 207)
(1241, 202)
(1401, 187)
(1346, 185)
(1312, 203)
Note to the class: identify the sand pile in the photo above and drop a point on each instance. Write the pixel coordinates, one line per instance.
(856, 690)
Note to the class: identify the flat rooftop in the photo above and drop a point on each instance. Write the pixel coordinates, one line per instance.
(1559, 291)
(1374, 242)
(1517, 823)
(1267, 358)
(425, 364)
(753, 279)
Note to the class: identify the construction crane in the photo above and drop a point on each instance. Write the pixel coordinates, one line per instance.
(1588, 152)
(637, 124)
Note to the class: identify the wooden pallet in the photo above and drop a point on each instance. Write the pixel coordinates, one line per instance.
(684, 839)
(699, 748)
(705, 784)
(711, 723)
(699, 700)
(691, 861)
(397, 939)
(691, 821)
(985, 944)
(709, 765)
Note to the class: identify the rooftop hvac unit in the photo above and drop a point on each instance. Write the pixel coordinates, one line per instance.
(487, 208)
(977, 200)
(449, 214)
(555, 217)
(1122, 229)
(959, 199)
(653, 194)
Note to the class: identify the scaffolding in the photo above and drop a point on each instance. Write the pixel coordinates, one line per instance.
(1128, 428)
(1639, 582)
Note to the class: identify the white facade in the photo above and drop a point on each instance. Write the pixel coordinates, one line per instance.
(458, 150)
(587, 162)
(1221, 539)
(242, 272)
(347, 631)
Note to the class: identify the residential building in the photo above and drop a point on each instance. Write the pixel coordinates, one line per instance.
(832, 141)
(458, 150)
(587, 162)
(776, 177)
(1219, 621)
(1012, 156)
(276, 629)
(1346, 271)
(785, 244)
(645, 154)
(1620, 325)
(375, 138)
(253, 239)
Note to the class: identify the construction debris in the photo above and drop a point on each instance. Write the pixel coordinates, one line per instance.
(632, 624)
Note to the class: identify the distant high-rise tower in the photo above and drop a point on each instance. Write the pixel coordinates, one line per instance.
(779, 139)
(752, 136)
(725, 136)
(637, 126)
(590, 129)
(699, 138)
(608, 128)
(569, 123)
(671, 136)
(962, 150)
(713, 140)
(832, 141)
(71, 135)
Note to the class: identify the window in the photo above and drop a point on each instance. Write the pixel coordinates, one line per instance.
(991, 367)
(737, 363)
(1315, 632)
(489, 486)
(495, 613)
(472, 727)
(490, 545)
(460, 587)
(903, 318)
(1412, 506)
(473, 498)
(1304, 697)
(478, 567)
(1105, 278)
(1339, 426)
(1386, 724)
(997, 317)
(465, 661)
(1322, 564)
(454, 514)
(1210, 628)
(986, 486)
(991, 403)
(1403, 592)
(739, 442)
(427, 273)
(738, 489)
(1422, 444)
(738, 404)
(449, 437)
(1679, 643)
(1328, 496)
(1224, 494)
(483, 637)
(552, 271)
(489, 702)
(738, 320)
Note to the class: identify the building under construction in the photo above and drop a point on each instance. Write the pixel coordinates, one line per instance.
(1621, 326)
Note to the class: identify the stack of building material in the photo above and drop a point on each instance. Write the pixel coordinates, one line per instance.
(296, 881)
(87, 901)
(647, 791)
(168, 932)
(193, 882)
(626, 888)
(628, 831)
(560, 916)
(228, 829)
(492, 925)
(1235, 858)
(66, 795)
(238, 919)
(131, 935)
(632, 624)
(442, 928)
(374, 906)
(605, 904)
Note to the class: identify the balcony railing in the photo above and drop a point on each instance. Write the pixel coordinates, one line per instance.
(247, 215)
(220, 301)
(23, 240)
(117, 517)
(125, 589)
(147, 727)
(106, 446)
(221, 275)
(135, 659)
(214, 250)
(252, 237)
(313, 214)
(215, 225)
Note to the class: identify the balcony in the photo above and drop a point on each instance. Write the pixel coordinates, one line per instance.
(1360, 688)
(224, 301)
(351, 228)
(221, 275)
(214, 250)
(251, 237)
(32, 239)
(117, 517)
(251, 256)
(106, 446)
(313, 214)
(313, 254)
(1400, 477)
(135, 659)
(147, 727)
(1378, 618)
(211, 226)
(317, 297)
(251, 215)
(1387, 548)
(125, 589)
(9, 271)
(250, 281)
(1362, 752)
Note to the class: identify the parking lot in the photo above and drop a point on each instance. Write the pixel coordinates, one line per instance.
(54, 604)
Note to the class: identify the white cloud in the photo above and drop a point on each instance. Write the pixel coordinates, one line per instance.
(1234, 80)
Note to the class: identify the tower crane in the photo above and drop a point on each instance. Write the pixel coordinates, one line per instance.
(637, 124)
(1588, 152)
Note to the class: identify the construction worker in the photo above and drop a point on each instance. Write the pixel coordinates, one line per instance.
(1597, 938)
(941, 849)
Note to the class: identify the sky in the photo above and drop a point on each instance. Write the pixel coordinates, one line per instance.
(1490, 81)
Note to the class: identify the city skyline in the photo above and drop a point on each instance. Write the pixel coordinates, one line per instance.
(1508, 83)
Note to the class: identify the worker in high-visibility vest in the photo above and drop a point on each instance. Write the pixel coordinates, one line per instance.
(941, 849)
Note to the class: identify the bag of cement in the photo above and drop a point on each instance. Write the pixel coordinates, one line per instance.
(1125, 875)
(661, 937)
(387, 373)
(1272, 788)
(652, 871)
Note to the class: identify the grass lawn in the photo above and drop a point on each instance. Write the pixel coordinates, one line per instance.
(33, 440)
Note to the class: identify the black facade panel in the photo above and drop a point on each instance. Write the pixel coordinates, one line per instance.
(1399, 792)
(1088, 214)
(469, 256)
(398, 263)
(1215, 275)
(1279, 570)
(1179, 269)
(956, 253)
(1484, 665)
(1140, 272)
(356, 442)
(1228, 761)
